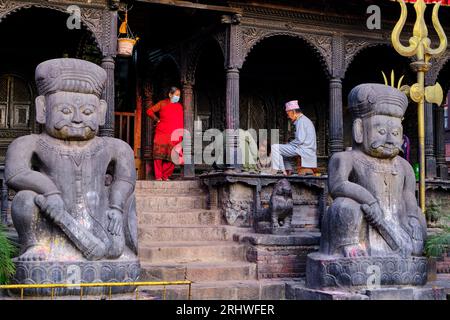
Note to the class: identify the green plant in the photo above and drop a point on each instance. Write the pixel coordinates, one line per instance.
(439, 243)
(7, 251)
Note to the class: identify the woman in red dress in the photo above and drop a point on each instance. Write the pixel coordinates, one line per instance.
(168, 133)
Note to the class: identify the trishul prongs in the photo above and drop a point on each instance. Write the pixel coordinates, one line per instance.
(420, 46)
(419, 43)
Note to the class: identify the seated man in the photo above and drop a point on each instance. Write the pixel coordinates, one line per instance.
(304, 144)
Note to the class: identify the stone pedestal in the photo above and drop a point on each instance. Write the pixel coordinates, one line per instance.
(243, 197)
(300, 292)
(77, 271)
(265, 227)
(280, 256)
(330, 271)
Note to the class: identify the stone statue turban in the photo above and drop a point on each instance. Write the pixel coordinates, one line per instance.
(71, 75)
(371, 99)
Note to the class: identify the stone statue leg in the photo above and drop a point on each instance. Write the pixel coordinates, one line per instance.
(287, 221)
(345, 223)
(30, 224)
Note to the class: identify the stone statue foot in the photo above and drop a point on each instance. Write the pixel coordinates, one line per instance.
(34, 253)
(354, 250)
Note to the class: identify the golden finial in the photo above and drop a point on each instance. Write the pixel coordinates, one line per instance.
(399, 84)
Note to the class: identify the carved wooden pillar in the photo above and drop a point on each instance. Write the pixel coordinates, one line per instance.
(442, 170)
(232, 118)
(188, 103)
(233, 63)
(430, 159)
(336, 143)
(336, 119)
(147, 129)
(109, 50)
(108, 95)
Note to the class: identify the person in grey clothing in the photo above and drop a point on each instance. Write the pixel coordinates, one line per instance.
(304, 144)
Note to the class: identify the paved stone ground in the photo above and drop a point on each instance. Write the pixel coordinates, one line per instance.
(442, 280)
(143, 295)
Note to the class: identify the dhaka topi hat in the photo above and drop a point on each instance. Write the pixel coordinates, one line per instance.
(292, 105)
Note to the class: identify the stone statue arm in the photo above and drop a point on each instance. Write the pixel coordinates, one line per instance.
(124, 174)
(19, 174)
(414, 221)
(340, 168)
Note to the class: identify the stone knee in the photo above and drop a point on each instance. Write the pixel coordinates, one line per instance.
(345, 219)
(25, 216)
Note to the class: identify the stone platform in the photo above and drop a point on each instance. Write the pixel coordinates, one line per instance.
(299, 291)
(279, 256)
(42, 272)
(330, 271)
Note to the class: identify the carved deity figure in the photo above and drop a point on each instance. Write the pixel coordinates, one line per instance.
(374, 211)
(281, 206)
(75, 191)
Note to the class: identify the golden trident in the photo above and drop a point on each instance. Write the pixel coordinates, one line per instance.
(420, 46)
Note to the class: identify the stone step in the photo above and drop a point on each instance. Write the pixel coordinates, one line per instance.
(183, 233)
(169, 187)
(171, 183)
(194, 251)
(199, 217)
(169, 202)
(198, 272)
(172, 192)
(223, 290)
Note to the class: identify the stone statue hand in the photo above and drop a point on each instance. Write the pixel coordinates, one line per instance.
(115, 221)
(51, 205)
(373, 213)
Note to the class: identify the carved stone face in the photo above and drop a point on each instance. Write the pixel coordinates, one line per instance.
(70, 115)
(382, 136)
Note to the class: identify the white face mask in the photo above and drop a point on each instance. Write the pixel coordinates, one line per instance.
(175, 99)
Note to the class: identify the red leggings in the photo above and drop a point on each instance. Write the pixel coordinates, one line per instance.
(163, 169)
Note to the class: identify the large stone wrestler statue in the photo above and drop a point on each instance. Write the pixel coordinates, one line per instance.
(75, 198)
(374, 213)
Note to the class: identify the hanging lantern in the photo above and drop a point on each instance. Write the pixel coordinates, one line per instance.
(126, 39)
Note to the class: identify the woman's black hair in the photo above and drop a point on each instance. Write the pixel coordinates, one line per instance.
(172, 90)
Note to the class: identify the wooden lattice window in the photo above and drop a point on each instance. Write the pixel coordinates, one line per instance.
(15, 102)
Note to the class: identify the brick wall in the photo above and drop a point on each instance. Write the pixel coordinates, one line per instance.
(443, 266)
(279, 261)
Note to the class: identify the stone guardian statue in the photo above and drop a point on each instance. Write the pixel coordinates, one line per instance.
(374, 218)
(74, 210)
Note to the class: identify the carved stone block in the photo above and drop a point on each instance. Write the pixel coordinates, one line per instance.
(331, 271)
(74, 272)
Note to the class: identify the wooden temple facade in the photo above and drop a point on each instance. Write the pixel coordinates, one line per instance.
(236, 63)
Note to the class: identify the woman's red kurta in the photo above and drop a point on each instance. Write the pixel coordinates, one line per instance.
(171, 119)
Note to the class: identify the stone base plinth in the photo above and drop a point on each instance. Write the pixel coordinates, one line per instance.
(280, 256)
(331, 271)
(300, 292)
(265, 227)
(46, 272)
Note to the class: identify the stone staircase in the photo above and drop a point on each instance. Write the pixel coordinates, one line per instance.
(180, 238)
